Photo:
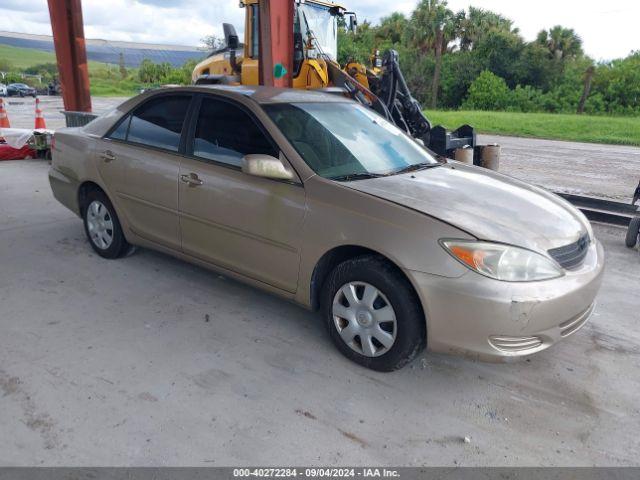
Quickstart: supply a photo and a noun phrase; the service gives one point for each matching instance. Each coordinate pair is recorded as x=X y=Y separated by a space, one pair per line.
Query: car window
x=120 y=133
x=226 y=133
x=159 y=121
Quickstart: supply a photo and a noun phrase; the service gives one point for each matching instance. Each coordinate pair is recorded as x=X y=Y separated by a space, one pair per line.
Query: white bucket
x=464 y=155
x=491 y=157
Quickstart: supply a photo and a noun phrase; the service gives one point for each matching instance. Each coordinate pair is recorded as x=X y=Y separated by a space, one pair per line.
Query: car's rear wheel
x=373 y=314
x=632 y=232
x=102 y=226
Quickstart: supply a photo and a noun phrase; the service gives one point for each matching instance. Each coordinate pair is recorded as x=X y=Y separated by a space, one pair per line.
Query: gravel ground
x=151 y=361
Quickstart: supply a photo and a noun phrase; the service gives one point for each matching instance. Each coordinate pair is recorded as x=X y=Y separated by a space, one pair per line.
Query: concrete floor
x=151 y=361
x=607 y=171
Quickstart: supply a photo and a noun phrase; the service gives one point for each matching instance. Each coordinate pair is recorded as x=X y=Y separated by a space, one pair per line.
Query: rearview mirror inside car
x=266 y=166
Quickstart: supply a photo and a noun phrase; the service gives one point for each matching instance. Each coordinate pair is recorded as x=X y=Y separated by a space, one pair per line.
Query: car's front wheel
x=102 y=226
x=373 y=314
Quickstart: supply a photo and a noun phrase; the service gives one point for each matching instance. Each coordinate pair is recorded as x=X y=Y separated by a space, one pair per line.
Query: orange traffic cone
x=4 y=120
x=39 y=118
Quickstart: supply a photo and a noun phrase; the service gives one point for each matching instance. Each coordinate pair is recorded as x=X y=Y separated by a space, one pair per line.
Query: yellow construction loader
x=314 y=65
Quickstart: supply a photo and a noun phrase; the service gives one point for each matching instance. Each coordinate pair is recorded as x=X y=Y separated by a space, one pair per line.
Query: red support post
x=68 y=39
x=276 y=41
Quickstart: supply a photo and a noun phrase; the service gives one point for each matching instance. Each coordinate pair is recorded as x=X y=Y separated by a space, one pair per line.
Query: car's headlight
x=503 y=262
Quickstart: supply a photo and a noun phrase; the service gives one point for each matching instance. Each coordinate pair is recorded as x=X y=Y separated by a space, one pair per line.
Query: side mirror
x=353 y=23
x=230 y=36
x=266 y=166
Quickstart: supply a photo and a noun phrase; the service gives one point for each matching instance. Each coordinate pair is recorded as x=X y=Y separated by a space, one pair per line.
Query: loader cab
x=315 y=37
x=315 y=41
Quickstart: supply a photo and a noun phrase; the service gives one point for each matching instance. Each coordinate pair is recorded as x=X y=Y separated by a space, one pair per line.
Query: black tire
x=21 y=94
x=411 y=336
x=632 y=232
x=119 y=245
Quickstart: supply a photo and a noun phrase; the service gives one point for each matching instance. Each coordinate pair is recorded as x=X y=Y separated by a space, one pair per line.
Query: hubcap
x=364 y=318
x=99 y=225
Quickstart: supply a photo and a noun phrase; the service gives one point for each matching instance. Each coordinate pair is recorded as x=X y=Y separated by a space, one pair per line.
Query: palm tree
x=392 y=27
x=477 y=23
x=431 y=28
x=588 y=78
x=562 y=42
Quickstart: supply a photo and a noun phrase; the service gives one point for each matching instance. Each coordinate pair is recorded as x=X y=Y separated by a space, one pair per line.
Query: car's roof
x=259 y=94
x=264 y=95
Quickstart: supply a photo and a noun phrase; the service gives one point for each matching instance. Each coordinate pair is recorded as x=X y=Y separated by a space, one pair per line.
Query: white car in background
x=3 y=90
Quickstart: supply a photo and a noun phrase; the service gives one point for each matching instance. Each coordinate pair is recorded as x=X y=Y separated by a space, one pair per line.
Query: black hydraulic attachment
x=406 y=112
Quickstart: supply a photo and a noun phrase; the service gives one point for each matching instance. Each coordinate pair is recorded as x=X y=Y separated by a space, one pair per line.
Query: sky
x=608 y=29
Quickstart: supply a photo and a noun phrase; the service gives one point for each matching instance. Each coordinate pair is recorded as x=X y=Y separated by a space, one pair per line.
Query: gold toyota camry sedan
x=319 y=200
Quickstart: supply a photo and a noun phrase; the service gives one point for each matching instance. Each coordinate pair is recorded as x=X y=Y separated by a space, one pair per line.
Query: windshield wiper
x=416 y=166
x=356 y=176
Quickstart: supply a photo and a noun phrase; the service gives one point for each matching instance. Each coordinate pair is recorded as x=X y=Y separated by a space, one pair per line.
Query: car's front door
x=244 y=223
x=140 y=163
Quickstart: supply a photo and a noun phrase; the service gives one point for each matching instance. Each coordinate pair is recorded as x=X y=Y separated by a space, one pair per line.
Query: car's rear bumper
x=65 y=189
x=491 y=320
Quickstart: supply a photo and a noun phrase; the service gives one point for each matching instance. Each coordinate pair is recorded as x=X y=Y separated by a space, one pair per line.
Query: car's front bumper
x=490 y=320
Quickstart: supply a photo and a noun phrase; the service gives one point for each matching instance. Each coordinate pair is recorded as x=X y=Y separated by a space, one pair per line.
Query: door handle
x=192 y=179
x=107 y=156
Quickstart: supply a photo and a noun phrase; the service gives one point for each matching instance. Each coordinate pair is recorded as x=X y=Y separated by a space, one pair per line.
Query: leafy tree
x=618 y=84
x=13 y=77
x=459 y=70
x=153 y=73
x=357 y=46
x=499 y=52
x=121 y=66
x=212 y=42
x=487 y=92
x=391 y=29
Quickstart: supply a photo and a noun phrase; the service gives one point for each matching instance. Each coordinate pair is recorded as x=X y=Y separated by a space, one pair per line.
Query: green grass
x=21 y=58
x=579 y=128
x=105 y=78
x=107 y=88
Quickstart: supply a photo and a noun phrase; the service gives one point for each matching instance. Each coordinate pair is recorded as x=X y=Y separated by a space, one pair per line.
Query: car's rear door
x=244 y=223
x=139 y=161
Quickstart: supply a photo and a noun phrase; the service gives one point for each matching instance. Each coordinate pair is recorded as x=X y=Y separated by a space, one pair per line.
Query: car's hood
x=488 y=205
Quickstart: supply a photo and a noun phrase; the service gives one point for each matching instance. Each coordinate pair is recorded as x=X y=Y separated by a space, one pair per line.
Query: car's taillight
x=53 y=142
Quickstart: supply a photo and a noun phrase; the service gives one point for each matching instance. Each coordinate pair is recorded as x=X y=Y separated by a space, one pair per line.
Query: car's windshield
x=339 y=140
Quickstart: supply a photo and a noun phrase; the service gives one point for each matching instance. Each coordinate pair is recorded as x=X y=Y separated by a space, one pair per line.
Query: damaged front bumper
x=492 y=320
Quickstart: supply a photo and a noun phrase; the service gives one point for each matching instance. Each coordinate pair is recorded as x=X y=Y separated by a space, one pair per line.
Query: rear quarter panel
x=72 y=163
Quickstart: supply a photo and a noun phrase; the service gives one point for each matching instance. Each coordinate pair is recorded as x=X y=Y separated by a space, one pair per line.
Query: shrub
x=526 y=99
x=487 y=92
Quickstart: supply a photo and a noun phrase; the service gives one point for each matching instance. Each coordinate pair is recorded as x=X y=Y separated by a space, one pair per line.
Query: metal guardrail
x=77 y=119
x=605 y=211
